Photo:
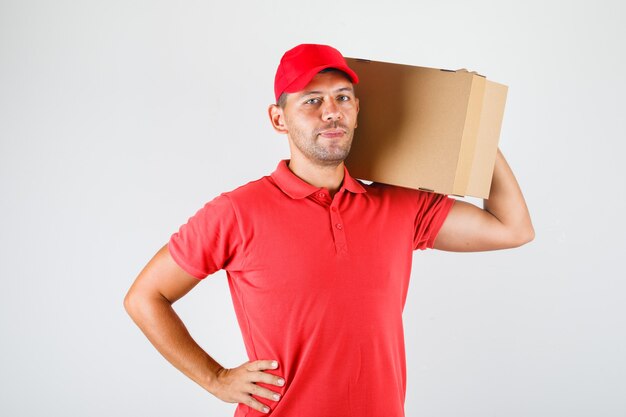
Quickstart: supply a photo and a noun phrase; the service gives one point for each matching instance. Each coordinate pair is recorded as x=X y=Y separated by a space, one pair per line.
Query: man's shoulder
x=251 y=189
x=397 y=194
x=389 y=189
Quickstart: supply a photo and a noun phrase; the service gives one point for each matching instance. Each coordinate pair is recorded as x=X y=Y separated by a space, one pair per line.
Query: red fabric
x=300 y=64
x=318 y=284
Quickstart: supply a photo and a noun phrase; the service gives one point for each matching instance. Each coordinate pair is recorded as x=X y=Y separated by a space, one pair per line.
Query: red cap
x=300 y=64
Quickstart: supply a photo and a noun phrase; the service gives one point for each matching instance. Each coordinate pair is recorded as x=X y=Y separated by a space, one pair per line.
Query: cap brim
x=303 y=80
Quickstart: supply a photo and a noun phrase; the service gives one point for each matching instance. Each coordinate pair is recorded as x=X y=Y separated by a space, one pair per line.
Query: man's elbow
x=523 y=236
x=132 y=304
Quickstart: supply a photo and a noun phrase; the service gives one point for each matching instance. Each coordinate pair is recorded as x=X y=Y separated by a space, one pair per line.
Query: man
x=318 y=263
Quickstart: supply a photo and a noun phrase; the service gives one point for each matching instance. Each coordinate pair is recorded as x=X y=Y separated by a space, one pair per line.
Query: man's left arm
x=503 y=223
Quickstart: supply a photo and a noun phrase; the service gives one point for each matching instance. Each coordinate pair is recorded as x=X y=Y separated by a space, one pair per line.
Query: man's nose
x=330 y=110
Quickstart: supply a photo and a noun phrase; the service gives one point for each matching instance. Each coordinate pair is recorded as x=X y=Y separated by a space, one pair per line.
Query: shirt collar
x=297 y=188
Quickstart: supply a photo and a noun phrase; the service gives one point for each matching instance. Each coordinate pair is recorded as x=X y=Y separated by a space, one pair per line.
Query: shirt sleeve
x=432 y=210
x=209 y=241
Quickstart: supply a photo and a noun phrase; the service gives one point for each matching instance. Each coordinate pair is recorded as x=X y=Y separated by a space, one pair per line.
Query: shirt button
x=333 y=208
x=339 y=226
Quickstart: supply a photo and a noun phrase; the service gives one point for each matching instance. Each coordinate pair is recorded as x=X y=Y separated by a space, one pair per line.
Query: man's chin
x=333 y=159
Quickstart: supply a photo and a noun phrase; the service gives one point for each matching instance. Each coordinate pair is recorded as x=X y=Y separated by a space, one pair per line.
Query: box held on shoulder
x=426 y=128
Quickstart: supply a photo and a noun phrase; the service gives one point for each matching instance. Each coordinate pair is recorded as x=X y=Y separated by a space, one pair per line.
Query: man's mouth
x=332 y=133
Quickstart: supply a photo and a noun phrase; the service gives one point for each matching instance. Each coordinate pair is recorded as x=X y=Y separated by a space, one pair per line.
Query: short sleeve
x=432 y=210
x=209 y=241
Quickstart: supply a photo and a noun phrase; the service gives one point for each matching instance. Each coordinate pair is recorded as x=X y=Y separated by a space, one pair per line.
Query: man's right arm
x=149 y=303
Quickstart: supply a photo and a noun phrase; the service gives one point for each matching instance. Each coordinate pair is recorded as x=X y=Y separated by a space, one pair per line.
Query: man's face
x=320 y=120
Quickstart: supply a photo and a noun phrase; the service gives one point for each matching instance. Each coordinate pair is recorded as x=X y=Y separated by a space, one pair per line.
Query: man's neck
x=323 y=176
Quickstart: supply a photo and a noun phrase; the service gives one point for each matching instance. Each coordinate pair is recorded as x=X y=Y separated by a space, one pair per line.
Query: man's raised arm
x=503 y=223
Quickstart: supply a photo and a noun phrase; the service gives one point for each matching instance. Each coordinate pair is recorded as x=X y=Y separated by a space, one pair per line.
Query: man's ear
x=277 y=117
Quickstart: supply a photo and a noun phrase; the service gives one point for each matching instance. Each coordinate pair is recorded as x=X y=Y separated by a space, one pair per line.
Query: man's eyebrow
x=308 y=93
x=349 y=89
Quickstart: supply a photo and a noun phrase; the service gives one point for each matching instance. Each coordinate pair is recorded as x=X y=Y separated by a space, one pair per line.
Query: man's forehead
x=334 y=81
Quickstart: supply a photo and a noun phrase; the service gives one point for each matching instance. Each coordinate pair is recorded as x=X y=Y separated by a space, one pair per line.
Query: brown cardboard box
x=426 y=128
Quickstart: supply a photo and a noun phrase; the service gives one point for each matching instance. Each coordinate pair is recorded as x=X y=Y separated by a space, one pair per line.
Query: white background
x=119 y=119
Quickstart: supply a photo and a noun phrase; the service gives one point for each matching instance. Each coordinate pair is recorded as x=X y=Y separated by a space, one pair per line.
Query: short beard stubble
x=331 y=154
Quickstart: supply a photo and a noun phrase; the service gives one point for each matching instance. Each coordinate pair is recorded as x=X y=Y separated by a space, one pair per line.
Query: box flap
x=470 y=133
x=488 y=137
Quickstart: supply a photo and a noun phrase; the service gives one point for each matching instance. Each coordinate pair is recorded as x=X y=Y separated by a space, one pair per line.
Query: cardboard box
x=426 y=128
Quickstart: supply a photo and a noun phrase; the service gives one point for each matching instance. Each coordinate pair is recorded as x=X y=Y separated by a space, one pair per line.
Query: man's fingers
x=262 y=365
x=252 y=403
x=267 y=378
x=263 y=392
x=257 y=367
x=239 y=384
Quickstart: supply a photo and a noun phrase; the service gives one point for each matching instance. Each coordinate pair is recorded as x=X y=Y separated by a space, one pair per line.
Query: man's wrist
x=211 y=378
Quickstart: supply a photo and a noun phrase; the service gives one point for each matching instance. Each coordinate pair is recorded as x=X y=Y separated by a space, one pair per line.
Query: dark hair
x=282 y=100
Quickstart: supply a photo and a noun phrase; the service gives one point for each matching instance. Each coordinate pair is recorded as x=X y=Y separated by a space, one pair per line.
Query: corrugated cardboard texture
x=422 y=128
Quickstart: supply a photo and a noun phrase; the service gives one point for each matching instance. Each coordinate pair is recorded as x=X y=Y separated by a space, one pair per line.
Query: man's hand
x=149 y=303
x=237 y=385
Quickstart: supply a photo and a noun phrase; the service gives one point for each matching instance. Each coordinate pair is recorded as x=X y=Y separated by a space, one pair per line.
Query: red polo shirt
x=318 y=284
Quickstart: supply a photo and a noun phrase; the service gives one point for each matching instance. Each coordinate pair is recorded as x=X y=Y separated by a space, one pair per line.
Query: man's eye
x=344 y=98
x=312 y=101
